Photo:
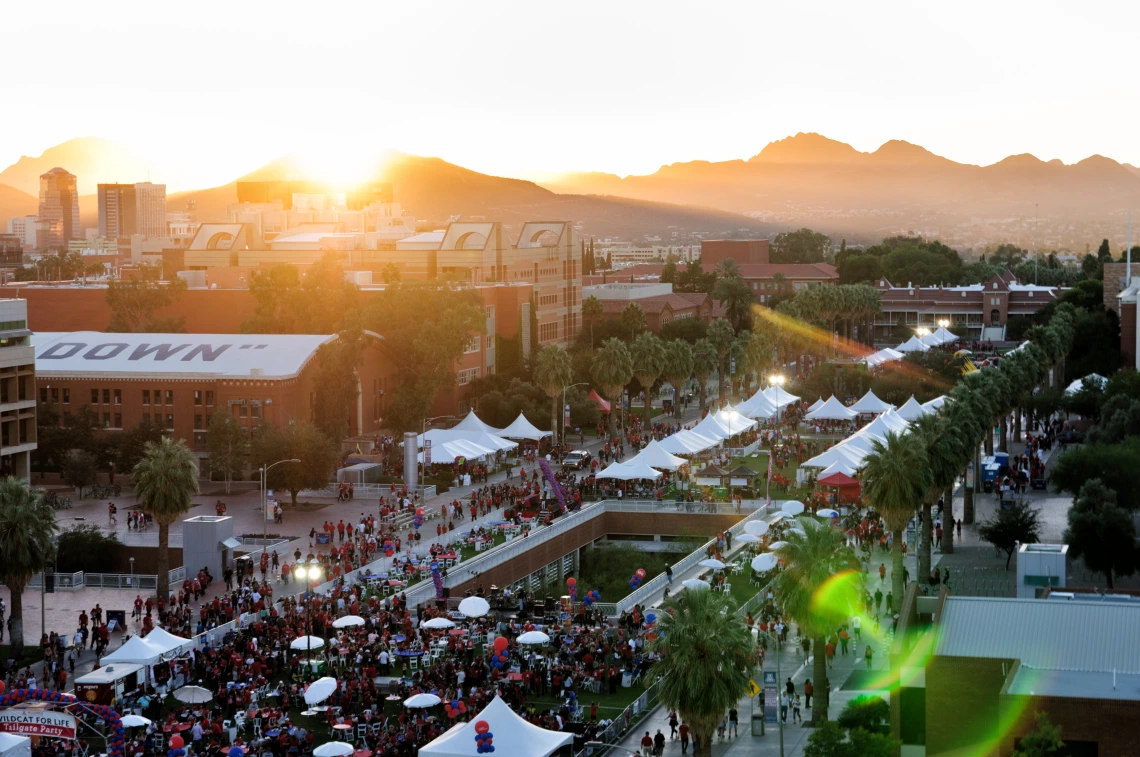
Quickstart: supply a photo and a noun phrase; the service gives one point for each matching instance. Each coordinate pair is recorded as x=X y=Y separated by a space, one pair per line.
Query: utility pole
x=1036 y=250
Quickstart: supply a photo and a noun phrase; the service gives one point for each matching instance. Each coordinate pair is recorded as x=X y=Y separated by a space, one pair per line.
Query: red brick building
x=743 y=251
x=661 y=305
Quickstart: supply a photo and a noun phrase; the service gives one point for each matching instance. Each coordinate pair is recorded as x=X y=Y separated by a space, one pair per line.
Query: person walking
x=808 y=691
x=796 y=717
x=867 y=655
x=647 y=745
x=683 y=731
x=658 y=743
x=733 y=723
x=673 y=723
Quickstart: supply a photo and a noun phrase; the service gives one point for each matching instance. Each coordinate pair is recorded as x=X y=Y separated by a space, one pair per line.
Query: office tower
x=59 y=209
x=128 y=209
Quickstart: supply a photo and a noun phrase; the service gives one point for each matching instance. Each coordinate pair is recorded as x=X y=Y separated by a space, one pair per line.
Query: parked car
x=576 y=459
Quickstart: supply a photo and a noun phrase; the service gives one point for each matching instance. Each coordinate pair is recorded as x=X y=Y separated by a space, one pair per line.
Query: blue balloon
x=237 y=752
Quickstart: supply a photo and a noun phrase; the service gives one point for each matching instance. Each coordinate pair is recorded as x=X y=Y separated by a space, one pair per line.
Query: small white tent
x=167 y=642
x=630 y=471
x=869 y=403
x=512 y=736
x=521 y=428
x=14 y=745
x=832 y=410
x=779 y=397
x=841 y=452
x=734 y=421
x=136 y=650
x=914 y=344
x=816 y=405
x=941 y=336
x=686 y=442
x=657 y=457
x=757 y=406
x=472 y=423
x=1093 y=381
x=439 y=436
x=886 y=355
x=912 y=409
x=935 y=403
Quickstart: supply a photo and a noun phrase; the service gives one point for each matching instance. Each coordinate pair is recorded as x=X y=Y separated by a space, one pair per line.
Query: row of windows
x=467 y=375
x=547 y=332
x=13 y=325
x=548 y=299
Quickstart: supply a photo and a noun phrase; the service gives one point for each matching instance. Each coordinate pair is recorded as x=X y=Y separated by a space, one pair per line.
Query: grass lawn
x=468 y=551
x=760 y=465
x=611 y=704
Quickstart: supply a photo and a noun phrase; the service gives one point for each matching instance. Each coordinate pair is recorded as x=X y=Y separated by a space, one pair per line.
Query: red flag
x=771 y=454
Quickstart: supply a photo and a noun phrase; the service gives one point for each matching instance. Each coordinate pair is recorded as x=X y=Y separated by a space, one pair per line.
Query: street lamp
x=264 y=504
x=309 y=574
x=583 y=383
x=777 y=381
x=944 y=323
x=922 y=331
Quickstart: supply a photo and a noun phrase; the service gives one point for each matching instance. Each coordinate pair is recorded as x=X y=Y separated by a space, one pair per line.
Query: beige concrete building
x=17 y=390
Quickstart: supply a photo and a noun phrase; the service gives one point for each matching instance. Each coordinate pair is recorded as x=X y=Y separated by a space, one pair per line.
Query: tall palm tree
x=727 y=269
x=895 y=478
x=721 y=336
x=592 y=310
x=164 y=480
x=707 y=658
x=678 y=368
x=552 y=371
x=612 y=369
x=633 y=318
x=27 y=547
x=735 y=295
x=648 y=355
x=704 y=362
x=811 y=559
x=946 y=455
x=755 y=356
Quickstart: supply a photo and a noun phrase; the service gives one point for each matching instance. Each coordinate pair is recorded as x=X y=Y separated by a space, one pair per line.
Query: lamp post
x=264 y=505
x=309 y=574
x=777 y=381
x=566 y=389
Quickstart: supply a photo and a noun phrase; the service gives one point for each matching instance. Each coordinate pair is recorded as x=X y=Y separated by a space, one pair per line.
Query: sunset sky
x=210 y=90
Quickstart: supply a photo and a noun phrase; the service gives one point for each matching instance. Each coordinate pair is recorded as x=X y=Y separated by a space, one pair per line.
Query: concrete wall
x=962 y=698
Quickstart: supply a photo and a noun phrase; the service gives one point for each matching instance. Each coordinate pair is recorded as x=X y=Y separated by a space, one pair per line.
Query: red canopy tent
x=849 y=488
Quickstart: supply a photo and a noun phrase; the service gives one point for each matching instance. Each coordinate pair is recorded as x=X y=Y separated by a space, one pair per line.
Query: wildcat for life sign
x=58 y=725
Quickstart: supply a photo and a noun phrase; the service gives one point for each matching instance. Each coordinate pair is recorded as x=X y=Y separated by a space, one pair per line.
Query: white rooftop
x=85 y=353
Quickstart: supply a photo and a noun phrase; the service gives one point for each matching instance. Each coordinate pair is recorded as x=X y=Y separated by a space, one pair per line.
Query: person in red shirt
x=684 y=731
x=830 y=652
x=647 y=745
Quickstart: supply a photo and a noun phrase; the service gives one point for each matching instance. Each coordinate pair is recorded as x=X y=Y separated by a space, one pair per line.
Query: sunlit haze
x=209 y=91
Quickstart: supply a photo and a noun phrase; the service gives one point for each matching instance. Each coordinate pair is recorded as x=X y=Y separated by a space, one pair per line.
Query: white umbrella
x=793 y=508
x=320 y=690
x=422 y=700
x=134 y=721
x=696 y=584
x=533 y=637
x=763 y=563
x=334 y=749
x=777 y=544
x=827 y=512
x=778 y=516
x=347 y=621
x=474 y=607
x=193 y=695
x=711 y=563
x=307 y=642
x=438 y=623
x=756 y=527
x=749 y=539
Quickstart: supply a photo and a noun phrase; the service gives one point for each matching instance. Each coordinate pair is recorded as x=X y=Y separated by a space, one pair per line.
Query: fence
x=363 y=491
x=83 y=579
x=149 y=538
x=628 y=718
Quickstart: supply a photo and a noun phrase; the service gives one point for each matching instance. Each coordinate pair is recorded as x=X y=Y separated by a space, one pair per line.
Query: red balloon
x=571 y=581
x=2 y=687
x=640 y=573
x=176 y=742
x=482 y=726
x=419 y=511
x=501 y=644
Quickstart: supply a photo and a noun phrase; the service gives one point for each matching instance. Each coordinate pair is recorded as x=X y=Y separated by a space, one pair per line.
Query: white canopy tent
x=513 y=736
x=136 y=650
x=1094 y=380
x=630 y=472
x=656 y=457
x=912 y=409
x=686 y=442
x=839 y=466
x=837 y=453
x=757 y=406
x=472 y=423
x=914 y=344
x=440 y=436
x=14 y=745
x=521 y=428
x=734 y=421
x=449 y=452
x=832 y=410
x=942 y=336
x=935 y=403
x=869 y=403
x=894 y=421
x=886 y=355
x=167 y=642
x=779 y=397
x=816 y=405
x=711 y=428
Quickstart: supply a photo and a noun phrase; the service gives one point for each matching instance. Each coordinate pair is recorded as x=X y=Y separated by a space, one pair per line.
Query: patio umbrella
x=474 y=607
x=334 y=749
x=320 y=690
x=307 y=642
x=827 y=512
x=438 y=623
x=696 y=584
x=763 y=563
x=777 y=544
x=134 y=721
x=193 y=695
x=420 y=701
x=533 y=637
x=711 y=563
x=793 y=508
x=749 y=539
x=347 y=621
x=756 y=527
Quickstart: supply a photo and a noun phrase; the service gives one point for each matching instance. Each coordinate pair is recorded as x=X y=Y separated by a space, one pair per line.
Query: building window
x=146 y=396
x=209 y=398
x=995 y=317
x=198 y=423
x=106 y=420
x=467 y=375
x=197 y=397
x=118 y=420
x=94 y=396
x=43 y=395
x=146 y=417
x=118 y=396
x=106 y=396
x=255 y=409
x=472 y=345
x=169 y=396
x=66 y=396
x=547 y=332
x=169 y=422
x=242 y=410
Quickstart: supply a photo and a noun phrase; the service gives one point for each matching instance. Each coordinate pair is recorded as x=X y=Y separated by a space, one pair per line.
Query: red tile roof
x=653 y=304
x=790 y=270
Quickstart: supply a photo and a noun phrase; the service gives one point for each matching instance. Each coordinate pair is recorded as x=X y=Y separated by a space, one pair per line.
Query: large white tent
x=438 y=436
x=869 y=403
x=886 y=355
x=816 y=405
x=779 y=397
x=840 y=452
x=941 y=336
x=656 y=457
x=521 y=428
x=1093 y=380
x=935 y=403
x=686 y=442
x=914 y=344
x=512 y=736
x=912 y=409
x=894 y=421
x=14 y=745
x=449 y=452
x=734 y=421
x=832 y=410
x=631 y=471
x=757 y=406
x=136 y=650
x=472 y=423
x=711 y=428
x=167 y=642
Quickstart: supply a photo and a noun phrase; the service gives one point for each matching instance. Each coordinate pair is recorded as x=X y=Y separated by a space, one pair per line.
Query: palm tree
x=164 y=480
x=721 y=336
x=27 y=547
x=735 y=295
x=592 y=310
x=678 y=368
x=895 y=478
x=946 y=455
x=648 y=355
x=633 y=318
x=553 y=373
x=707 y=658
x=612 y=369
x=811 y=559
x=727 y=269
x=704 y=361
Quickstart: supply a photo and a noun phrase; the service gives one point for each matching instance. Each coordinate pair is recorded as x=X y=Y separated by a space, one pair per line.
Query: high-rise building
x=25 y=228
x=129 y=209
x=59 y=210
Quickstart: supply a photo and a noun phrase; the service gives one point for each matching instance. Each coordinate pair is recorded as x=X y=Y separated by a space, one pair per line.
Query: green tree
x=668 y=272
x=391 y=274
x=164 y=481
x=1101 y=532
x=678 y=368
x=895 y=479
x=27 y=547
x=1008 y=527
x=1104 y=252
x=812 y=557
x=337 y=382
x=1090 y=266
x=592 y=310
x=297 y=441
x=132 y=444
x=802 y=246
x=721 y=336
x=694 y=279
x=80 y=469
x=279 y=301
x=1117 y=465
x=735 y=295
x=612 y=370
x=1044 y=740
x=552 y=372
x=135 y=302
x=225 y=444
x=704 y=363
x=707 y=657
x=867 y=711
x=286 y=303
x=689 y=329
x=633 y=319
x=86 y=547
x=648 y=356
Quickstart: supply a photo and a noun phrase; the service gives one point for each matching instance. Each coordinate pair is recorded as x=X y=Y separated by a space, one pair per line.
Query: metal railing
x=83 y=579
x=629 y=717
x=149 y=538
x=361 y=491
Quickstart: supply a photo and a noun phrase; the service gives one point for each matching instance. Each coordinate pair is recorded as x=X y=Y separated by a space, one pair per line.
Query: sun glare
x=341 y=164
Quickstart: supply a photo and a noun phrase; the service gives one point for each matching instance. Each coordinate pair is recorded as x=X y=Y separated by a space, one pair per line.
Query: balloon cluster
x=557 y=487
x=483 y=737
x=436 y=579
x=572 y=584
x=236 y=752
x=418 y=520
x=638 y=577
x=177 y=747
x=499 y=656
x=650 y=620
x=592 y=597
x=389 y=548
x=455 y=708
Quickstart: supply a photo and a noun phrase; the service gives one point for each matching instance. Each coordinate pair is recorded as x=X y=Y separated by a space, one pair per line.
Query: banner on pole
x=57 y=725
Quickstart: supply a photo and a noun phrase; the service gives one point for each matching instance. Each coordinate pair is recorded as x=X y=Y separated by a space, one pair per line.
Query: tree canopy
x=134 y=304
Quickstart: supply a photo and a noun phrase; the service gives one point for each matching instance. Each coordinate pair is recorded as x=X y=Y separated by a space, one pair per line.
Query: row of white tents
x=472 y=439
x=914 y=344
x=847 y=455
